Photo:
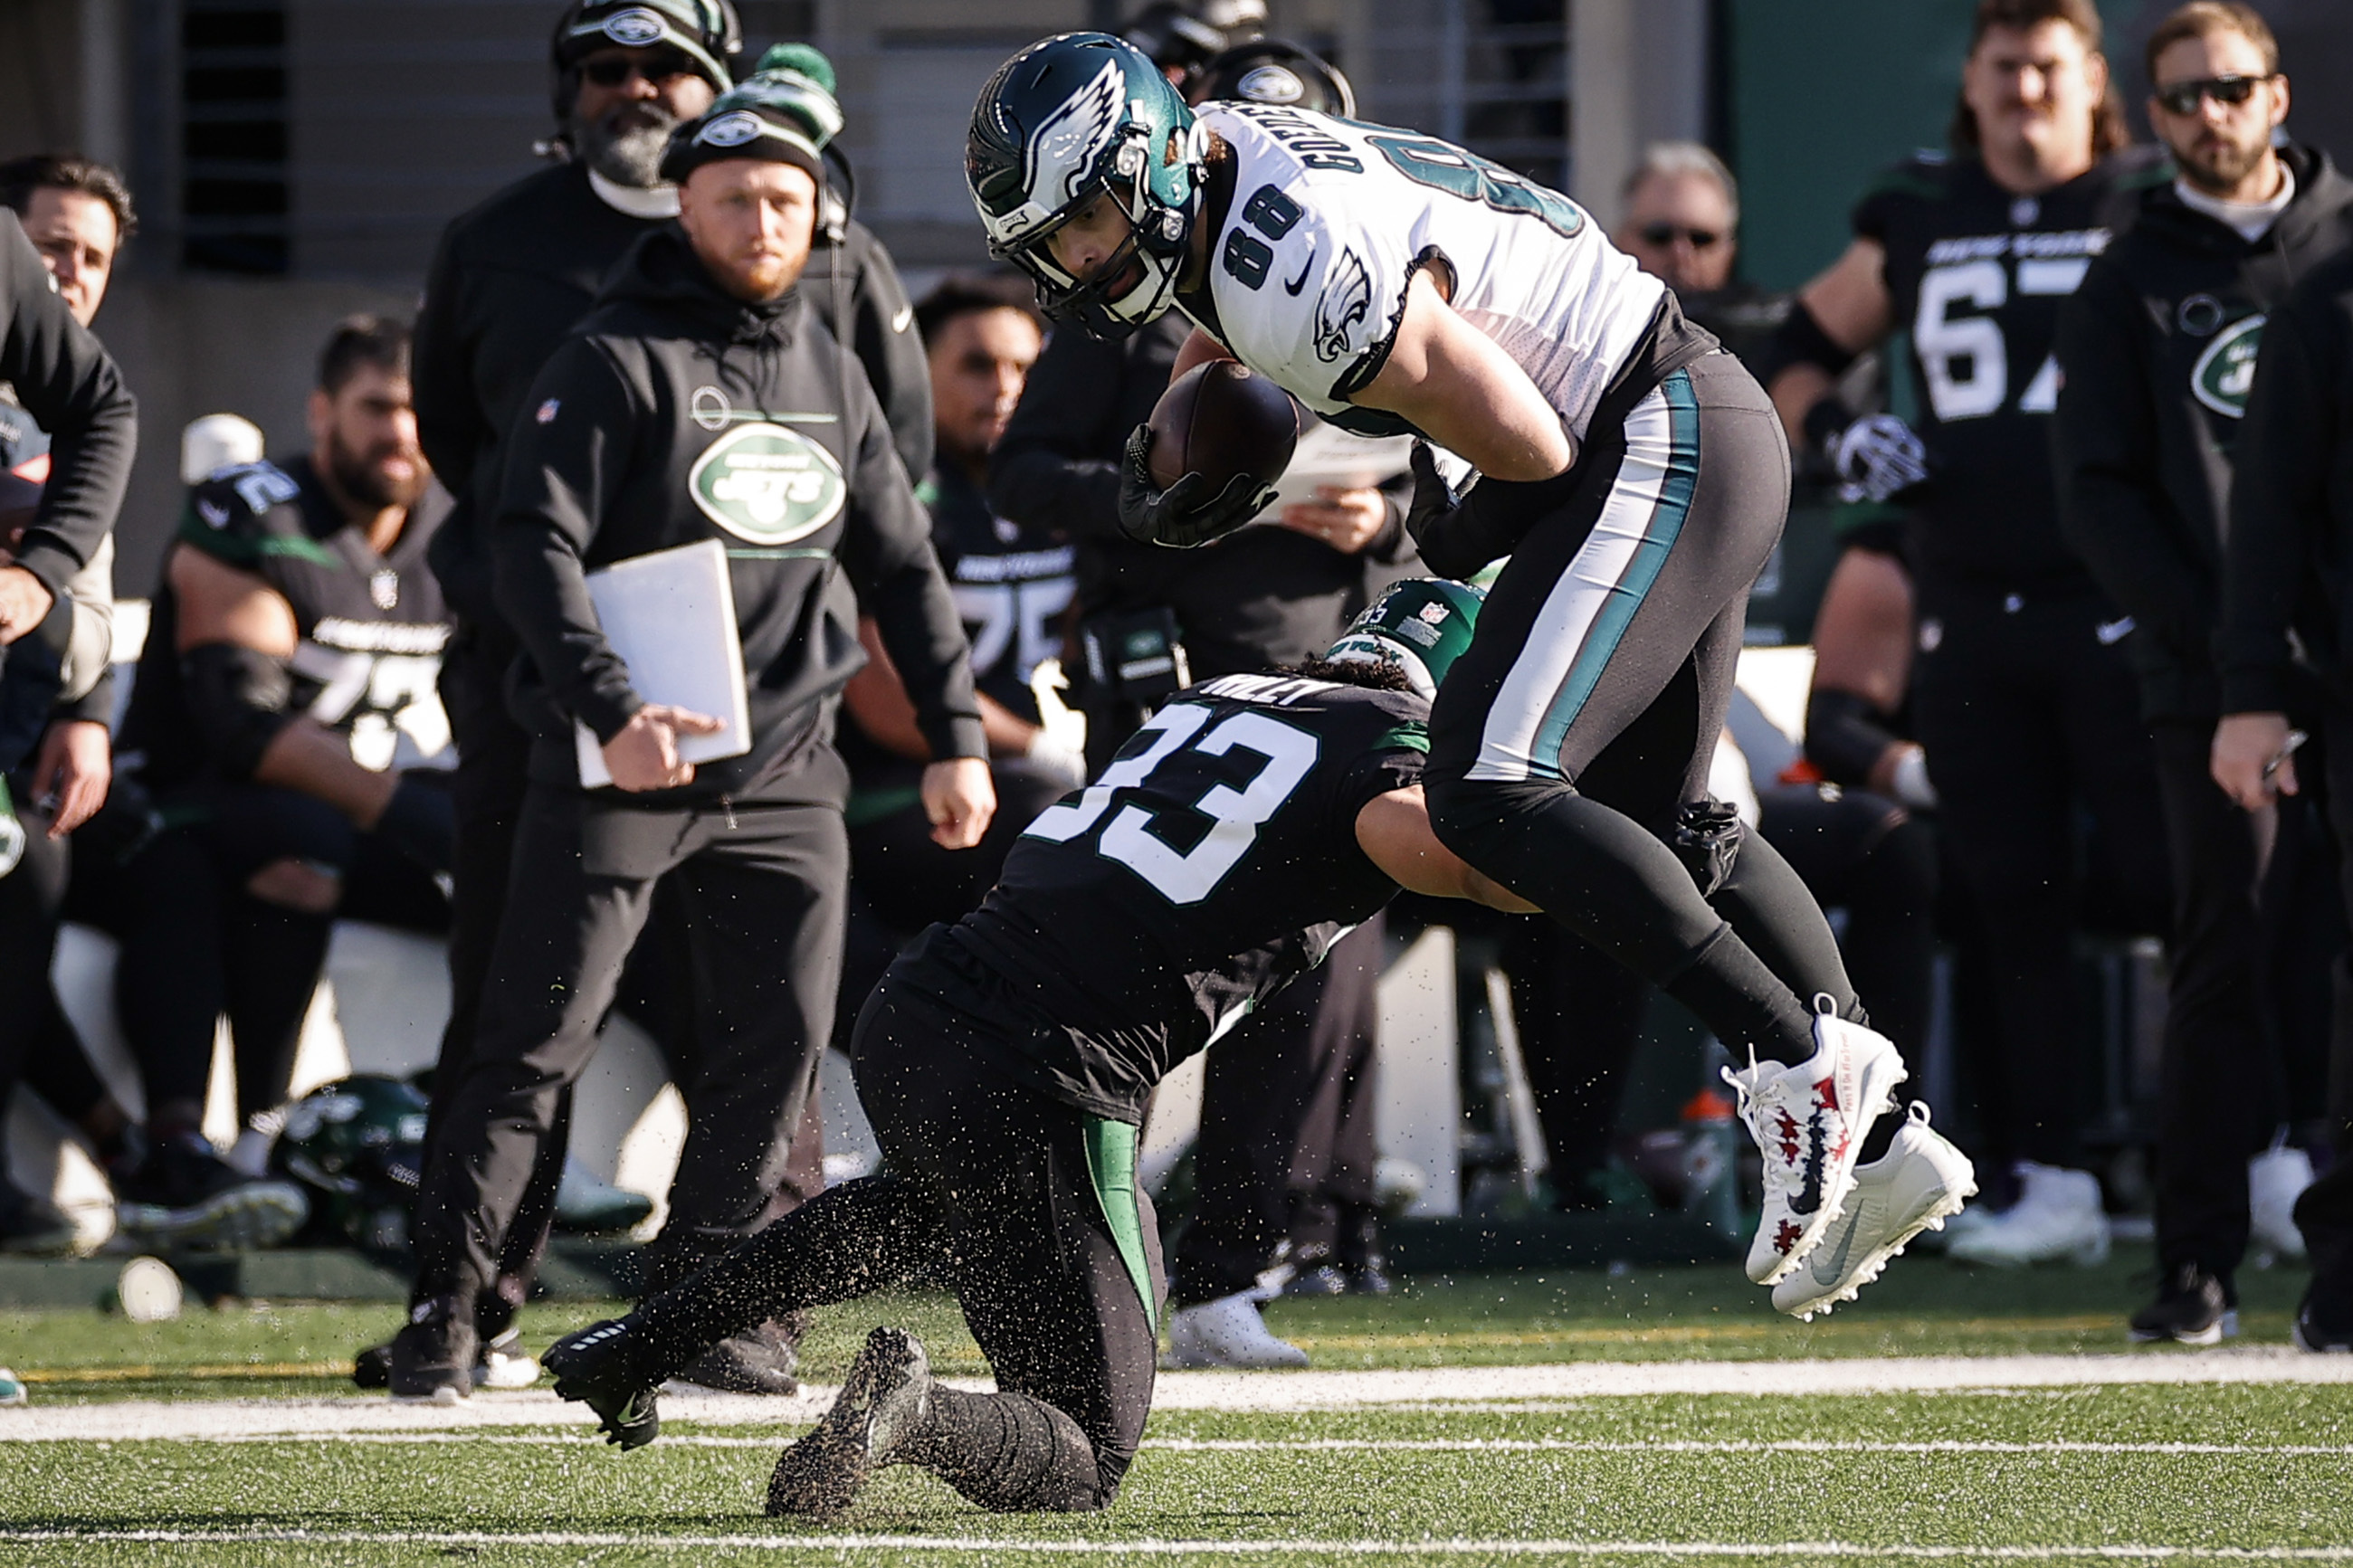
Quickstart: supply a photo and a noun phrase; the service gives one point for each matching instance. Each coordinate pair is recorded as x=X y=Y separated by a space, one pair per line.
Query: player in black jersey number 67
x=1005 y=1062
x=1634 y=474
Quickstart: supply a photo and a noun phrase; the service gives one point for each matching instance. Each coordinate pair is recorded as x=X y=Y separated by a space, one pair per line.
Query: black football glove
x=1877 y=458
x=1185 y=514
x=1459 y=533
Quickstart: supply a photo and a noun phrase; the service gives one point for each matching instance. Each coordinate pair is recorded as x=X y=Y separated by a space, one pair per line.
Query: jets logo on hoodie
x=768 y=485
x=2227 y=369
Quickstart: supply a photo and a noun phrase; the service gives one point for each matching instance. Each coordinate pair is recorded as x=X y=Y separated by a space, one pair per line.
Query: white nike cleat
x=2057 y=1217
x=1809 y=1122
x=1917 y=1185
x=505 y=1363
x=1228 y=1331
x=2275 y=1179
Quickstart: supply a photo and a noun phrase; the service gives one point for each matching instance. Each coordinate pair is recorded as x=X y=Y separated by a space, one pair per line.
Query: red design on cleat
x=1787 y=1235
x=1826 y=1093
x=1790 y=1135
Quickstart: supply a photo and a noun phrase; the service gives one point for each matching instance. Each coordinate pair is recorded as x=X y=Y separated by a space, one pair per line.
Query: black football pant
x=38 y=1047
x=2046 y=786
x=762 y=891
x=197 y=946
x=1570 y=744
x=1027 y=1207
x=1286 y=1144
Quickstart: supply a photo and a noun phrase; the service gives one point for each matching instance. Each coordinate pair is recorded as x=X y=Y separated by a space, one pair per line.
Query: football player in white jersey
x=1636 y=477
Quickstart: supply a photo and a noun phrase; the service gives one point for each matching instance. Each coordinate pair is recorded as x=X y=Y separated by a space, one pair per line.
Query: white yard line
x=1259 y=1393
x=1395 y=1445
x=1488 y=1547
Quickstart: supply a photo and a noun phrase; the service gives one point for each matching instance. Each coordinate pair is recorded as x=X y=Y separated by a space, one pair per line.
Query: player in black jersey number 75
x=1005 y=1060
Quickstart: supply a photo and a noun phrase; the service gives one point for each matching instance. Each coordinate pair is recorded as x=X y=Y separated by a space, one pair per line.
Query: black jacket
x=2289 y=566
x=678 y=414
x=515 y=275
x=1260 y=595
x=70 y=386
x=2157 y=348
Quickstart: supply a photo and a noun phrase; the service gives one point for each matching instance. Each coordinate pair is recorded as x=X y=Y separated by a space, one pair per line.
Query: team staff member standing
x=512 y=278
x=2024 y=700
x=2157 y=350
x=667 y=419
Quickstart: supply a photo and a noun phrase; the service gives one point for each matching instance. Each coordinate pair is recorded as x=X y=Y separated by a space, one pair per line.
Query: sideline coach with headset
x=702 y=379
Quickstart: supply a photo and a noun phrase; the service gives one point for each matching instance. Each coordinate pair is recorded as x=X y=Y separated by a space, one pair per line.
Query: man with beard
x=286 y=729
x=511 y=279
x=2157 y=350
x=703 y=405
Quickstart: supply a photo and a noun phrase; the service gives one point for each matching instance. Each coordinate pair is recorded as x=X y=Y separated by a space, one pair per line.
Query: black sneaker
x=184 y=1198
x=433 y=1358
x=2193 y=1308
x=32 y=1227
x=884 y=1411
x=763 y=1360
x=1315 y=1272
x=1364 y=1262
x=2317 y=1336
x=599 y=1367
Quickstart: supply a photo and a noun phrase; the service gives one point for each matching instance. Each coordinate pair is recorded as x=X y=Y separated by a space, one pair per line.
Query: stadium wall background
x=294 y=159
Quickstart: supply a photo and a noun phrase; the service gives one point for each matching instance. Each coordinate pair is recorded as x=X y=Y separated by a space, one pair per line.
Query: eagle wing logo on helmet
x=1346 y=300
x=1064 y=150
x=633 y=28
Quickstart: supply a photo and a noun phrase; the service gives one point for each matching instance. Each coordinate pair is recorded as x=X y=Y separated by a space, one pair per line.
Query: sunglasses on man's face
x=612 y=70
x=2183 y=97
x=1665 y=233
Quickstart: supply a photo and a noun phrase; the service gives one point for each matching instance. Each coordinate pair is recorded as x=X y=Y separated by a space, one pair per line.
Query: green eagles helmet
x=356 y=1148
x=1422 y=625
x=1061 y=122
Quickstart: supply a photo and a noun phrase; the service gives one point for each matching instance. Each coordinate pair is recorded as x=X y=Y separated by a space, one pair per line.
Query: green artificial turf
x=1622 y=1485
x=1684 y=1477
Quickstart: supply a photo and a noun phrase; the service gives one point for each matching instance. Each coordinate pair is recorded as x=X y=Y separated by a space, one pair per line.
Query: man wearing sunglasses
x=2157 y=350
x=511 y=279
x=2022 y=691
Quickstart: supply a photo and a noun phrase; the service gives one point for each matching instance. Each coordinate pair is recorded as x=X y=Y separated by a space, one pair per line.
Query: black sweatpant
x=1286 y=1140
x=1866 y=855
x=487 y=791
x=1028 y=1208
x=2219 y=1055
x=762 y=891
x=1570 y=744
x=2046 y=786
x=2325 y=1213
x=39 y=1046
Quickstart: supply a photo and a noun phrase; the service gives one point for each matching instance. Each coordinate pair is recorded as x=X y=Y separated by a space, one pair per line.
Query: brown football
x=1220 y=420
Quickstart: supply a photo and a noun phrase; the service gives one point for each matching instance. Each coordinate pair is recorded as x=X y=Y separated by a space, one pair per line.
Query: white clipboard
x=672 y=618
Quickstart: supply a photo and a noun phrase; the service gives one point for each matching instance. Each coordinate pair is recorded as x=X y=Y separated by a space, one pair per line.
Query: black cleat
x=884 y=1411
x=760 y=1360
x=432 y=1360
x=2316 y=1336
x=2191 y=1309
x=599 y=1367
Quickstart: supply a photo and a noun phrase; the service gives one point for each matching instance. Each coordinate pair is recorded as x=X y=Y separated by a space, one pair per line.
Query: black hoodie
x=676 y=413
x=2157 y=350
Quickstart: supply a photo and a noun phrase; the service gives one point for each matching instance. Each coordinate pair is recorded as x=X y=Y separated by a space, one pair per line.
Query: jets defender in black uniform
x=1005 y=1062
x=2024 y=695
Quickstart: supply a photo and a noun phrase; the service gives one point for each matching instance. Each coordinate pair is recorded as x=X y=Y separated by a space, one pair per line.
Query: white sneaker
x=1914 y=1186
x=505 y=1363
x=2057 y=1215
x=1228 y=1331
x=2275 y=1179
x=1809 y=1122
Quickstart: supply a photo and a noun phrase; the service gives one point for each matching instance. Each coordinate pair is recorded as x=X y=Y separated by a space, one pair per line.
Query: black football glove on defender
x=1184 y=515
x=1459 y=532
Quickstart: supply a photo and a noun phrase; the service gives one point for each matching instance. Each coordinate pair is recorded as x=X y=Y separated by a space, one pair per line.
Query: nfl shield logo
x=385 y=589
